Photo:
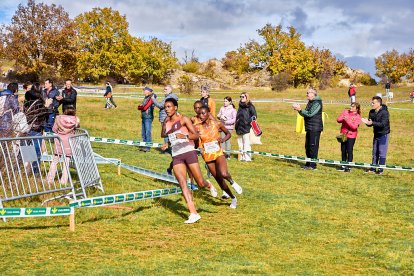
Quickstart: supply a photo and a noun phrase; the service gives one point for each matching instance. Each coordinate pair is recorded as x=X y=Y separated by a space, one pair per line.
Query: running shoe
x=233 y=204
x=192 y=218
x=193 y=187
x=225 y=195
x=213 y=190
x=237 y=188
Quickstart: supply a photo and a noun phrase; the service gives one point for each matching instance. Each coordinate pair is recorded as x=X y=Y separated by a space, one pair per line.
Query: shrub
x=281 y=81
x=186 y=84
x=191 y=67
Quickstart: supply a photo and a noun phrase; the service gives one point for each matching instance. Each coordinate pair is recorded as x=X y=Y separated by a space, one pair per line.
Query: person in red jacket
x=350 y=119
x=352 y=92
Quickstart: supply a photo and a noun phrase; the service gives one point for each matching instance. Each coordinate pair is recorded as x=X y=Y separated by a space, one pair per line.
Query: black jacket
x=380 y=121
x=244 y=118
x=69 y=98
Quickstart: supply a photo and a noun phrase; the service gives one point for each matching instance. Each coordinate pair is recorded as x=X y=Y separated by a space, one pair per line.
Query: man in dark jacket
x=147 y=116
x=379 y=118
x=68 y=97
x=50 y=92
x=313 y=125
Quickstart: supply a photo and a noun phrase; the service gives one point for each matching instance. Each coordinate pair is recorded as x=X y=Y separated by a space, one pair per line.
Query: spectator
x=412 y=96
x=379 y=118
x=64 y=127
x=207 y=101
x=352 y=92
x=147 y=116
x=350 y=120
x=227 y=116
x=9 y=106
x=387 y=89
x=29 y=97
x=109 y=96
x=168 y=92
x=244 y=116
x=313 y=125
x=68 y=97
x=50 y=92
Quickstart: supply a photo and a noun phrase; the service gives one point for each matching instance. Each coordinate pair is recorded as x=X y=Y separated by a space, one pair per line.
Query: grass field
x=288 y=221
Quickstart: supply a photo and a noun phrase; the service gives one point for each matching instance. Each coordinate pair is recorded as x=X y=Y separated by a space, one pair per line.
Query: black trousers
x=347 y=149
x=312 y=146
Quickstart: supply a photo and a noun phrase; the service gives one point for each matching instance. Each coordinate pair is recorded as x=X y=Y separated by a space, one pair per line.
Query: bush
x=186 y=84
x=191 y=67
x=281 y=81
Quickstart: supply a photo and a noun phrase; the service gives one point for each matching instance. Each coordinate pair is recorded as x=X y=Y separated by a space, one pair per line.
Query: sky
x=356 y=31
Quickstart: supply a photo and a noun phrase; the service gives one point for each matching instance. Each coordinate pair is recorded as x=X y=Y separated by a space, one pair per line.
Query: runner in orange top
x=181 y=133
x=210 y=144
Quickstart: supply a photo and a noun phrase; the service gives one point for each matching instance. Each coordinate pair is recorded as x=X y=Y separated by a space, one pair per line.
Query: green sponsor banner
x=129 y=197
x=157 y=193
x=123 y=141
x=98 y=201
x=173 y=190
x=109 y=200
x=9 y=211
x=139 y=195
x=165 y=191
x=35 y=211
x=148 y=194
x=85 y=203
x=60 y=210
x=135 y=143
x=98 y=139
x=119 y=198
x=109 y=140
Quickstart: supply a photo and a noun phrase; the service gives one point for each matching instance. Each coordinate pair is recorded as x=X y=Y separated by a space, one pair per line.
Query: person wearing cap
x=207 y=101
x=147 y=116
x=312 y=115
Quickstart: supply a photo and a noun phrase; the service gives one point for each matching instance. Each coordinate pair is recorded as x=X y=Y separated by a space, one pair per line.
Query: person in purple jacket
x=227 y=115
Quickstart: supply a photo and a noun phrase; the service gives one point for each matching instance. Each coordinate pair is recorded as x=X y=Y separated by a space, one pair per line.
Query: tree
x=409 y=65
x=390 y=65
x=103 y=40
x=236 y=61
x=40 y=39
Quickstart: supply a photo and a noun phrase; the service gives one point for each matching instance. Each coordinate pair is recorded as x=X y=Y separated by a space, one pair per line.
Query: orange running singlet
x=211 y=148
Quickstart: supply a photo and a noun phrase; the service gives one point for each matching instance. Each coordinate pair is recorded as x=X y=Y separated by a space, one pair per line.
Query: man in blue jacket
x=50 y=92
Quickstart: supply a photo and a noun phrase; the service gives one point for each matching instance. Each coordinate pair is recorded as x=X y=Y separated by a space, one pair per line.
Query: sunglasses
x=242 y=97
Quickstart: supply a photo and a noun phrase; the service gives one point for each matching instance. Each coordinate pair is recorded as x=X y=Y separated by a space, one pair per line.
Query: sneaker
x=192 y=218
x=225 y=195
x=169 y=171
x=380 y=171
x=341 y=168
x=347 y=170
x=213 y=190
x=309 y=168
x=193 y=187
x=233 y=204
x=371 y=170
x=237 y=188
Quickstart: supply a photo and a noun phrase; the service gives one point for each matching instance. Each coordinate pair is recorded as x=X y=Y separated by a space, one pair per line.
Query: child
x=64 y=127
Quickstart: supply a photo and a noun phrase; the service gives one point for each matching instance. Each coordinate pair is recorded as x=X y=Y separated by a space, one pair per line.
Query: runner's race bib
x=211 y=147
x=174 y=140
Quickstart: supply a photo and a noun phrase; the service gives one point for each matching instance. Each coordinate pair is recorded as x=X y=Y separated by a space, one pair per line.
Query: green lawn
x=288 y=221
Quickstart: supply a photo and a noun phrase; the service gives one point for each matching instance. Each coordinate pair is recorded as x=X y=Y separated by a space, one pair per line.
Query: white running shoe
x=213 y=190
x=192 y=218
x=225 y=195
x=233 y=204
x=237 y=188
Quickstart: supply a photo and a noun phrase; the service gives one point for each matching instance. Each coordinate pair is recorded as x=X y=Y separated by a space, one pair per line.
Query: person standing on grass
x=50 y=92
x=313 y=125
x=181 y=134
x=379 y=119
x=350 y=119
x=64 y=127
x=168 y=92
x=387 y=89
x=207 y=101
x=352 y=92
x=68 y=97
x=227 y=115
x=212 y=152
x=147 y=116
x=244 y=118
x=109 y=96
x=9 y=106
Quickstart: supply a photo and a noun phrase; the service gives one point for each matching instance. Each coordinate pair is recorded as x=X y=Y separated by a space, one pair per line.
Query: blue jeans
x=146 y=130
x=37 y=145
x=50 y=122
x=379 y=149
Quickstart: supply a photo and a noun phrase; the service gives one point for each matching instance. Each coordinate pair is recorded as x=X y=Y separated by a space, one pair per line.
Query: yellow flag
x=300 y=124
